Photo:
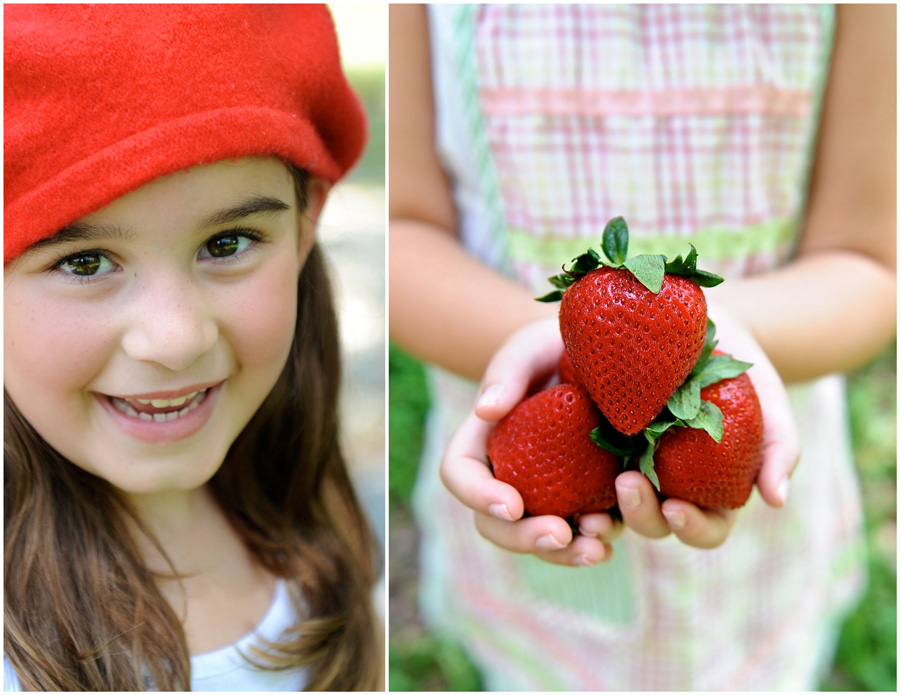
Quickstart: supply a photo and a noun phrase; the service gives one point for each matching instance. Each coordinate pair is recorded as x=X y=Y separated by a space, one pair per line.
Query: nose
x=171 y=324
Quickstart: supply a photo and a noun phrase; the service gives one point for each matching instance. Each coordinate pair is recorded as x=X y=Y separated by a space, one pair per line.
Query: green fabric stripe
x=577 y=590
x=711 y=244
x=515 y=652
x=467 y=65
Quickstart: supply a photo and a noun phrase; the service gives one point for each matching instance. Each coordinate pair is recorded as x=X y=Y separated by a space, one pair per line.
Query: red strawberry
x=544 y=450
x=632 y=348
x=692 y=467
x=566 y=370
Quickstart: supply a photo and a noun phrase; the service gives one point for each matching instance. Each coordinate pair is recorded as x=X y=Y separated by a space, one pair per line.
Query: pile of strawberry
x=642 y=386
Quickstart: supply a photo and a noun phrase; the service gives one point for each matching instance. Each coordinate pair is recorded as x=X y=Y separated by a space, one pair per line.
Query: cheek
x=261 y=318
x=54 y=347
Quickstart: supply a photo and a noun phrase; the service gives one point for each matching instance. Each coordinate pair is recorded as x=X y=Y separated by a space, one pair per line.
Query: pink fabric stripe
x=567 y=102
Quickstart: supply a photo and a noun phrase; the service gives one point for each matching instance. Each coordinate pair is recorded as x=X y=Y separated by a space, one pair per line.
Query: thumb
x=528 y=355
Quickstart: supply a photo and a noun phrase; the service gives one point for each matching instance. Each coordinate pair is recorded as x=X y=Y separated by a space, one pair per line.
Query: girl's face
x=141 y=340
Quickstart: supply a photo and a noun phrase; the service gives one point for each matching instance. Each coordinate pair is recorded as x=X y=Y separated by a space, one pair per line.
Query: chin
x=169 y=475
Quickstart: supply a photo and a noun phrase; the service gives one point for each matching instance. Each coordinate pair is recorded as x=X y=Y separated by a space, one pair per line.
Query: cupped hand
x=781 y=437
x=709 y=528
x=526 y=363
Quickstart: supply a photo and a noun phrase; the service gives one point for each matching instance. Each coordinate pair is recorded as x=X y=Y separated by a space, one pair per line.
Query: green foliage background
x=866 y=659
x=369 y=84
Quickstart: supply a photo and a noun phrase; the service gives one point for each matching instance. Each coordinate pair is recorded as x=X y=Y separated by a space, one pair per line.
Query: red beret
x=101 y=99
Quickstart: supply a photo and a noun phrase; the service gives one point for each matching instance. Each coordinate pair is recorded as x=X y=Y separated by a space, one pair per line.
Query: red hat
x=101 y=99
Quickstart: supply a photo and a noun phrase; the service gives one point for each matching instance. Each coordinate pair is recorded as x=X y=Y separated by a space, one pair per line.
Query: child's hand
x=709 y=528
x=781 y=439
x=528 y=360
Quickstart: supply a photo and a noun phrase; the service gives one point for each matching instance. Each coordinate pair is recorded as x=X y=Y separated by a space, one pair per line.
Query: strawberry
x=544 y=450
x=567 y=370
x=630 y=347
x=633 y=327
x=691 y=466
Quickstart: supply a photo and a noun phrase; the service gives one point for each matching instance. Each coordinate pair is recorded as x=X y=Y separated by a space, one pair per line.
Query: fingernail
x=500 y=511
x=675 y=519
x=583 y=561
x=492 y=395
x=631 y=497
x=548 y=542
x=783 y=489
x=584 y=532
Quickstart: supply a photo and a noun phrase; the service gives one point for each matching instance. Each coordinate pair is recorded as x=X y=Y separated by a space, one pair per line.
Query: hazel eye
x=226 y=245
x=86 y=264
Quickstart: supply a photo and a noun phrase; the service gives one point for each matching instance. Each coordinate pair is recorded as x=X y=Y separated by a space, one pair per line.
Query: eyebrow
x=82 y=231
x=87 y=232
x=258 y=205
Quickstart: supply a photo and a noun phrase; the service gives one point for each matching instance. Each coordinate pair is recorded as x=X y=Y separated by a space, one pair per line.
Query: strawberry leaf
x=719 y=367
x=686 y=266
x=554 y=296
x=608 y=437
x=708 y=346
x=650 y=270
x=706 y=279
x=615 y=240
x=646 y=462
x=562 y=281
x=656 y=428
x=685 y=402
x=585 y=263
x=709 y=419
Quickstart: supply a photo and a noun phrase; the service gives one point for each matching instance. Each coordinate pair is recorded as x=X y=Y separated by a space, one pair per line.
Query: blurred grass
x=407 y=402
x=417 y=661
x=867 y=652
x=866 y=658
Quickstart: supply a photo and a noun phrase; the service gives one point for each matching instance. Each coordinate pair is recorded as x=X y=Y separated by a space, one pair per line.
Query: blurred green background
x=362 y=35
x=867 y=654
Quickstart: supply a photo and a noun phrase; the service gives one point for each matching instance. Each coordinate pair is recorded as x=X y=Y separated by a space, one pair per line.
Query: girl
x=765 y=135
x=178 y=513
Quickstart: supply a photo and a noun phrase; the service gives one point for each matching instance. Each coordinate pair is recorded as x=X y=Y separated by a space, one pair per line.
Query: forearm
x=829 y=311
x=446 y=306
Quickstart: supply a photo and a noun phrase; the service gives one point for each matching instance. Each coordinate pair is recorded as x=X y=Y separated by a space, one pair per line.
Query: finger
x=466 y=474
x=531 y=354
x=781 y=453
x=781 y=447
x=535 y=534
x=696 y=527
x=639 y=505
x=601 y=526
x=582 y=552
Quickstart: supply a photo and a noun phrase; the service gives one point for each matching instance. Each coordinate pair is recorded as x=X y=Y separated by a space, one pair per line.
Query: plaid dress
x=697 y=124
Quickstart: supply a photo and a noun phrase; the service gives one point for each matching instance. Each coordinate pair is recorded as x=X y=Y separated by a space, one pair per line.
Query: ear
x=316 y=193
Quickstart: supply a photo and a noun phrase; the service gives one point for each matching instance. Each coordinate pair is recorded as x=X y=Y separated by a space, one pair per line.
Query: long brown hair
x=82 y=611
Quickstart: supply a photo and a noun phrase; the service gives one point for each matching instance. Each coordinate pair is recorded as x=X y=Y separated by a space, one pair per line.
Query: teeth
x=166 y=402
x=192 y=399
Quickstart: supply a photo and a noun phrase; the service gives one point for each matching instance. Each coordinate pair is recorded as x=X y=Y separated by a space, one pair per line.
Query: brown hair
x=83 y=612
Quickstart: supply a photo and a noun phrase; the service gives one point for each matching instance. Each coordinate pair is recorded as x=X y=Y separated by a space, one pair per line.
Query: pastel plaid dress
x=697 y=124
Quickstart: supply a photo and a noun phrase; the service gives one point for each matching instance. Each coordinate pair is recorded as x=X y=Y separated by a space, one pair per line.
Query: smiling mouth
x=159 y=409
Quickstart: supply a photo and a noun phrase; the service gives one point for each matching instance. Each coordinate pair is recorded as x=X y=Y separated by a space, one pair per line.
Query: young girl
x=177 y=510
x=765 y=136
